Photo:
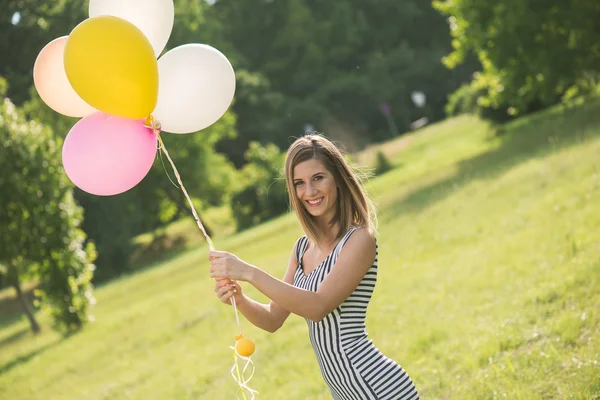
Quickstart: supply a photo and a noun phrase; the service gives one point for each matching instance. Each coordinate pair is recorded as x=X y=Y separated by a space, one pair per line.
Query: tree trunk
x=15 y=282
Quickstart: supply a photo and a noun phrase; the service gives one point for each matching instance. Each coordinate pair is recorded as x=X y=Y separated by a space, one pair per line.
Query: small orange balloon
x=244 y=347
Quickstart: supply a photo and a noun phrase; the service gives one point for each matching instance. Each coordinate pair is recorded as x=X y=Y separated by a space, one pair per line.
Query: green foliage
x=40 y=23
x=262 y=194
x=3 y=86
x=257 y=107
x=35 y=109
x=532 y=52
x=40 y=236
x=332 y=65
x=462 y=101
x=468 y=99
x=206 y=174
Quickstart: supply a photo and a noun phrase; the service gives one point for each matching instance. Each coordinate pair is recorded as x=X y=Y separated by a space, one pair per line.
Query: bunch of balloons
x=106 y=72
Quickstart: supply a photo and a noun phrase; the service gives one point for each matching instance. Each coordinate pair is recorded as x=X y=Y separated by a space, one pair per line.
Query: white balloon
x=153 y=17
x=195 y=87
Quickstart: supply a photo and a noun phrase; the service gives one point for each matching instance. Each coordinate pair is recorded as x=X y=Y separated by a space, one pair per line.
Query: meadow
x=488 y=287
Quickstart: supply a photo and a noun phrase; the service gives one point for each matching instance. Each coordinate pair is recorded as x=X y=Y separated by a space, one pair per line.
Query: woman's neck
x=328 y=233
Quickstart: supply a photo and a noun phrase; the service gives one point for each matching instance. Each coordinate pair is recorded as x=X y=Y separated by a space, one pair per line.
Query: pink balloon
x=106 y=155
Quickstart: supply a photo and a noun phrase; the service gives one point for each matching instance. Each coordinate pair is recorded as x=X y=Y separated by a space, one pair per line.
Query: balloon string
x=156 y=129
x=165 y=168
x=239 y=379
x=237 y=318
x=196 y=217
x=238 y=375
x=242 y=382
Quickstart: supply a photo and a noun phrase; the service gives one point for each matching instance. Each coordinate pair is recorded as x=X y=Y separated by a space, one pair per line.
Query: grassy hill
x=488 y=284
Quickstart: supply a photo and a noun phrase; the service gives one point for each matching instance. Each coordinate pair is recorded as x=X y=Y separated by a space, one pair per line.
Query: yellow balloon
x=111 y=65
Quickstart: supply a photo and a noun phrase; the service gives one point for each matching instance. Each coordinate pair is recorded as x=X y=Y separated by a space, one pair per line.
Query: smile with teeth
x=316 y=202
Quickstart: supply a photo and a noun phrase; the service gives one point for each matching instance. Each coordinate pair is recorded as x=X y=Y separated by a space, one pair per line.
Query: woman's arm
x=265 y=316
x=349 y=269
x=269 y=317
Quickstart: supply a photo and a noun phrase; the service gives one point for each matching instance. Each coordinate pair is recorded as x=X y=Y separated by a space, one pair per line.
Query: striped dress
x=353 y=368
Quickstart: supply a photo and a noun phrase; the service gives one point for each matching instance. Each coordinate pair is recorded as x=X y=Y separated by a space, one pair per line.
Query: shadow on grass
x=4 y=368
x=15 y=337
x=162 y=248
x=147 y=256
x=531 y=137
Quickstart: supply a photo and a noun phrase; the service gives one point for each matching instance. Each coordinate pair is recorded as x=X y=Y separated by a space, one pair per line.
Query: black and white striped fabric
x=353 y=368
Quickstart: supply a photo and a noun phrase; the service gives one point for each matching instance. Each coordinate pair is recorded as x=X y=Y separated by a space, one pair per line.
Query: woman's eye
x=298 y=183
x=317 y=178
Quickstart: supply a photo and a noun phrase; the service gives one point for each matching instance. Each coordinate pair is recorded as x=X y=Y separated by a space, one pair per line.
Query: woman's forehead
x=308 y=168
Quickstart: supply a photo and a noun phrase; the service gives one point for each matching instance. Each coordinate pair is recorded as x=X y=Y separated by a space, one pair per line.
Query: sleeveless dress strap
x=345 y=238
x=301 y=248
x=342 y=242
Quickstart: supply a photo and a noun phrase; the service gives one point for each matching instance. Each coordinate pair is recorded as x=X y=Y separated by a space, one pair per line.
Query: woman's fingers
x=225 y=289
x=216 y=254
x=218 y=272
x=219 y=283
x=225 y=292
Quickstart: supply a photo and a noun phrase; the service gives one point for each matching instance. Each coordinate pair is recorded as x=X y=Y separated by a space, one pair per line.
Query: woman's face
x=315 y=188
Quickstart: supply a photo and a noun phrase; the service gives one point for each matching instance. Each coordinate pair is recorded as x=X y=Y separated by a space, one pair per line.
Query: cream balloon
x=153 y=17
x=52 y=84
x=195 y=87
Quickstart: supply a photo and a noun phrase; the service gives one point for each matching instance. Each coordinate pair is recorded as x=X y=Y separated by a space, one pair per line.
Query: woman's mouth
x=315 y=202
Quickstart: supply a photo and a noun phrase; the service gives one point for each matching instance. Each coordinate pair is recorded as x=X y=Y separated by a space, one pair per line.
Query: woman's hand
x=226 y=289
x=227 y=265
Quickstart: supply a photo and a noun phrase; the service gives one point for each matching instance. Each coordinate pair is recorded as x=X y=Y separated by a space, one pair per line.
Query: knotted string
x=239 y=376
x=241 y=381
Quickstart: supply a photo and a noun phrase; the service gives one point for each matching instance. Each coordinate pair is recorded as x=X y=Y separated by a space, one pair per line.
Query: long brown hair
x=354 y=208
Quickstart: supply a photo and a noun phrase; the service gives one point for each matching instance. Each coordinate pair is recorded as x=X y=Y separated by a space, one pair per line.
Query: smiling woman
x=325 y=192
x=330 y=278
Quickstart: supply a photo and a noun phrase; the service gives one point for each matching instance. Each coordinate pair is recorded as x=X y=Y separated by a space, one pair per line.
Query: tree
x=36 y=23
x=112 y=222
x=40 y=236
x=331 y=65
x=532 y=52
x=261 y=194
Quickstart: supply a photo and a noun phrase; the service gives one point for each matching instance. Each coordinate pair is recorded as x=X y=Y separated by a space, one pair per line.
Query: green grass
x=488 y=284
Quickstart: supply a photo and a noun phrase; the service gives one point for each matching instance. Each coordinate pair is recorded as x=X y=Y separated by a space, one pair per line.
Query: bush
x=463 y=101
x=262 y=193
x=40 y=234
x=382 y=164
x=473 y=98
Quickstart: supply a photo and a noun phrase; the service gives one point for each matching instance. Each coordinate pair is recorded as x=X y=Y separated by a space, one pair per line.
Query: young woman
x=330 y=277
